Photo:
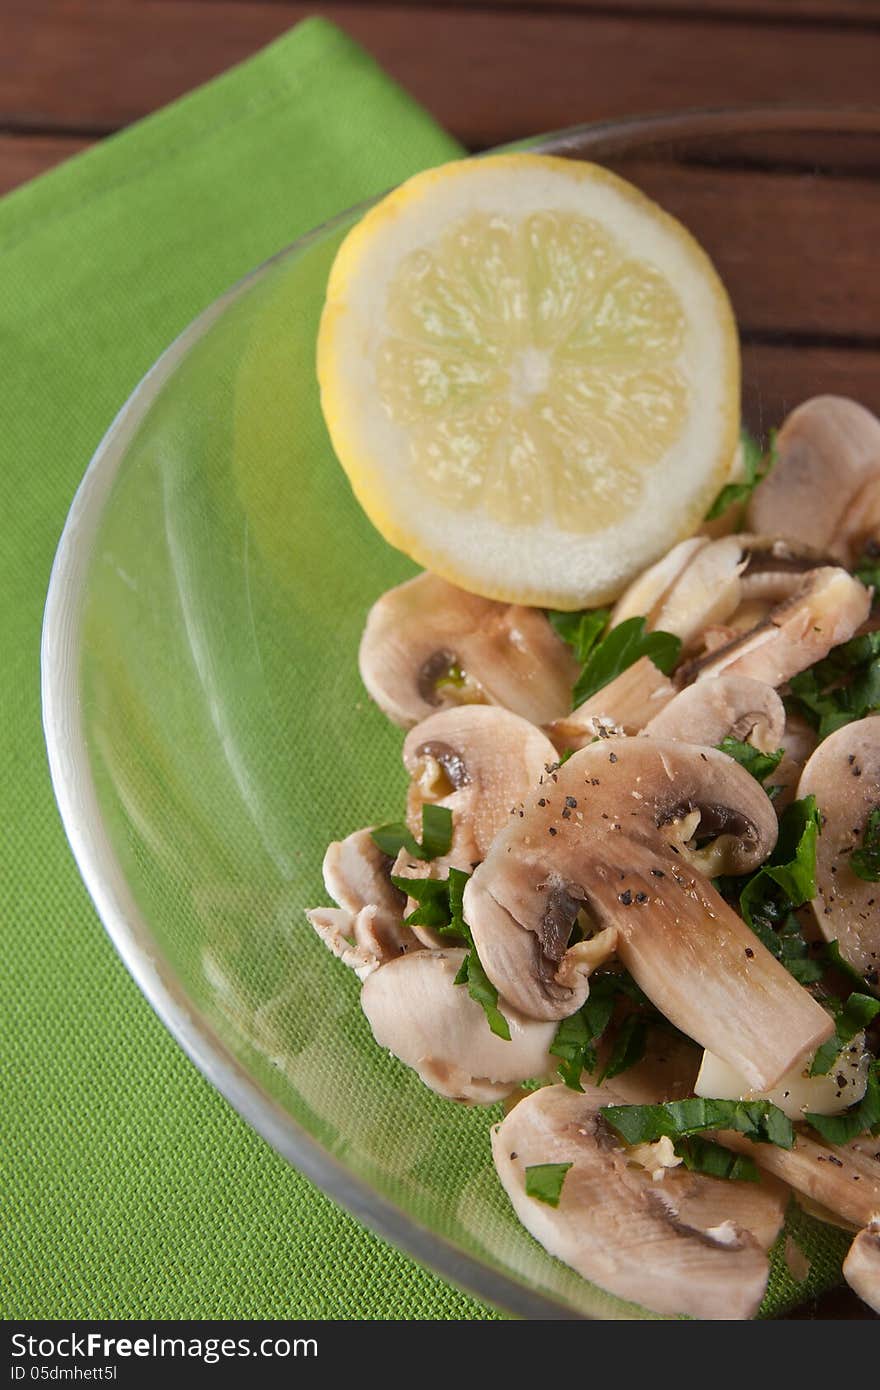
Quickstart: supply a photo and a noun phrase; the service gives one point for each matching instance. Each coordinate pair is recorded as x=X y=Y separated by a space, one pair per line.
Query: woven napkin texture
x=135 y=1190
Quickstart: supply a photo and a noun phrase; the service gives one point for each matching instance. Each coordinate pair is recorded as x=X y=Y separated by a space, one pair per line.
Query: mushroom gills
x=682 y=1245
x=727 y=707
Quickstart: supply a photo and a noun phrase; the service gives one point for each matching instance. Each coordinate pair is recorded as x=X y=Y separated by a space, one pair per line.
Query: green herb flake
x=629 y=1047
x=759 y=1120
x=440 y=905
x=578 y=1036
x=863 y=1118
x=625 y=645
x=544 y=1182
x=756 y=466
x=580 y=630
x=845 y=686
x=865 y=861
x=785 y=882
x=705 y=1156
x=759 y=764
x=436 y=835
x=851 y=1018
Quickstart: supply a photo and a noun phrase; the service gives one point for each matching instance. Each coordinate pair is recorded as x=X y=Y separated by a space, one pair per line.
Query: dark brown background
x=74 y=71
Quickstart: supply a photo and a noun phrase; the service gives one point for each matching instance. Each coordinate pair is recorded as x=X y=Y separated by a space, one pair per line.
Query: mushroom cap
x=682 y=1245
x=844 y=776
x=726 y=707
x=861 y=1268
x=599 y=835
x=826 y=608
x=416 y=1010
x=478 y=760
x=827 y=449
x=357 y=875
x=510 y=655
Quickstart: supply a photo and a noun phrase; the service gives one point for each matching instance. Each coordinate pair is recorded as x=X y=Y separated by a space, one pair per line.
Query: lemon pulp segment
x=530 y=374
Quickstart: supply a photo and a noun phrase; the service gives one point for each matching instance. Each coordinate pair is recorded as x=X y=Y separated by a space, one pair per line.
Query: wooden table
x=74 y=71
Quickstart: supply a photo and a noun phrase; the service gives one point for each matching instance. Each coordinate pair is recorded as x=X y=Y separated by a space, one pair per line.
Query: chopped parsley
x=604 y=658
x=440 y=906
x=865 y=861
x=756 y=465
x=705 y=1156
x=544 y=1182
x=770 y=895
x=578 y=1036
x=436 y=835
x=843 y=687
x=759 y=1120
x=759 y=764
x=849 y=1018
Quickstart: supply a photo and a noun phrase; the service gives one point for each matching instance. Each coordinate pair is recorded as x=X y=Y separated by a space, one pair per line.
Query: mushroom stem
x=841 y=1180
x=598 y=834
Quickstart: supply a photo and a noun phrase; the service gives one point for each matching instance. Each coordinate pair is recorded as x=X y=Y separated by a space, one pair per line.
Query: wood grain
x=23 y=157
x=488 y=75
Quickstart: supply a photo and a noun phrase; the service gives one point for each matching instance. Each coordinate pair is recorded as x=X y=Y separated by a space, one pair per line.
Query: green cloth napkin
x=136 y=1191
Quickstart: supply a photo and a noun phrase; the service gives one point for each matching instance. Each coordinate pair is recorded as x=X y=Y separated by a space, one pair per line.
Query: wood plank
x=797 y=252
x=22 y=157
x=489 y=76
x=775 y=379
x=834 y=12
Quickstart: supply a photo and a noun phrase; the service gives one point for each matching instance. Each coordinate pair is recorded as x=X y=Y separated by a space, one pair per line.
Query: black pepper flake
x=626 y=897
x=566 y=813
x=703 y=756
x=841 y=1079
x=512 y=1156
x=572 y=802
x=658 y=873
x=832 y=1158
x=857 y=772
x=641 y=897
x=612 y=757
x=542 y=801
x=851 y=759
x=594 y=782
x=750 y=953
x=605 y=815
x=551 y=830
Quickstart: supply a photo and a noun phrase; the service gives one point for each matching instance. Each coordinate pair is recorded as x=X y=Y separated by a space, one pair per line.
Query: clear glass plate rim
x=75 y=790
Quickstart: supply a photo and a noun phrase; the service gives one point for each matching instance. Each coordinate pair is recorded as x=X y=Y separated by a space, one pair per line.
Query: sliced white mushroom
x=858 y=534
x=839 y=1182
x=844 y=776
x=828 y=450
x=680 y=1245
x=416 y=1010
x=604 y=835
x=351 y=937
x=667 y=1071
x=827 y=607
x=727 y=707
x=861 y=1268
x=797 y=1093
x=429 y=644
x=479 y=761
x=645 y=594
x=625 y=705
x=798 y=741
x=357 y=875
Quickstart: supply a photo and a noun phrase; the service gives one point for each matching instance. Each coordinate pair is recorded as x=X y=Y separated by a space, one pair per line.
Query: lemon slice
x=530 y=374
